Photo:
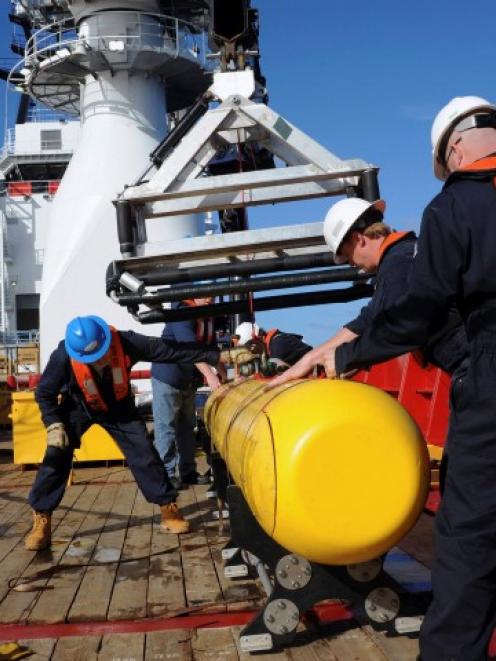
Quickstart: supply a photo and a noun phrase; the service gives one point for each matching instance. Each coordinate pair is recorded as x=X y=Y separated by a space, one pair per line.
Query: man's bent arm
x=157 y=350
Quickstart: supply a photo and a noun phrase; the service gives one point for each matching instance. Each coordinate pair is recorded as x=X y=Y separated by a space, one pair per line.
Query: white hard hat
x=340 y=219
x=446 y=120
x=246 y=331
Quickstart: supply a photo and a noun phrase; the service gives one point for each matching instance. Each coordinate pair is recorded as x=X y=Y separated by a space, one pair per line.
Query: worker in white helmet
x=455 y=264
x=281 y=349
x=355 y=231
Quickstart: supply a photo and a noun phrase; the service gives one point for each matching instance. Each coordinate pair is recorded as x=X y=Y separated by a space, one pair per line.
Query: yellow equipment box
x=29 y=435
x=335 y=471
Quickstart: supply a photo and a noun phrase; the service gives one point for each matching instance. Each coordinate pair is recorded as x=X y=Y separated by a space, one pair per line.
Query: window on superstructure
x=51 y=140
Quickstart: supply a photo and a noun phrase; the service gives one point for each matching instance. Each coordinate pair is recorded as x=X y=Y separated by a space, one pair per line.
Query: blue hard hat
x=87 y=339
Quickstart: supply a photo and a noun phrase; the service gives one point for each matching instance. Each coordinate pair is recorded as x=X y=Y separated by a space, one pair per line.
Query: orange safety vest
x=268 y=338
x=119 y=363
x=389 y=241
x=204 y=328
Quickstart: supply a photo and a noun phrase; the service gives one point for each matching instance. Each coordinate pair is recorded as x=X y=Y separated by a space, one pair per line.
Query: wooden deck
x=110 y=564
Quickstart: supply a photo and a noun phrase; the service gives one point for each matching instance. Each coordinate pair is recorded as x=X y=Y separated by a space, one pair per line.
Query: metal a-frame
x=179 y=185
x=311 y=171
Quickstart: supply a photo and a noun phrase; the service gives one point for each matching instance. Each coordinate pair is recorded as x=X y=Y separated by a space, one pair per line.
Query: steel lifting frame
x=178 y=186
x=294 y=584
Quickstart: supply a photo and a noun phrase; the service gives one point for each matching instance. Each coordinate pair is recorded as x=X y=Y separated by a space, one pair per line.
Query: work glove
x=56 y=436
x=236 y=356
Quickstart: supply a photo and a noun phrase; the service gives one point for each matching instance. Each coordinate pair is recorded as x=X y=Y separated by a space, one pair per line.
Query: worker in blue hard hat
x=87 y=381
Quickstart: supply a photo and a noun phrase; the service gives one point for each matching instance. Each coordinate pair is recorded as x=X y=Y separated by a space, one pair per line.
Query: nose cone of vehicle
x=335 y=471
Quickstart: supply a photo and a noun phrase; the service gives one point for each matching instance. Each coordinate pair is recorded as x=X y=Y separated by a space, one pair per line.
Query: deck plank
x=313 y=650
x=214 y=645
x=77 y=648
x=238 y=594
x=16 y=606
x=355 y=645
x=169 y=645
x=200 y=578
x=395 y=648
x=53 y=605
x=93 y=598
x=104 y=508
x=122 y=647
x=131 y=582
x=42 y=647
x=165 y=579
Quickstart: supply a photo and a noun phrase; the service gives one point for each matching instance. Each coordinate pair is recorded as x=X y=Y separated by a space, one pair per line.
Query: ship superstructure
x=34 y=157
x=122 y=68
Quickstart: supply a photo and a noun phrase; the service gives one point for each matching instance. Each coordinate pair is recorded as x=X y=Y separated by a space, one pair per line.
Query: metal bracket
x=374 y=597
x=177 y=186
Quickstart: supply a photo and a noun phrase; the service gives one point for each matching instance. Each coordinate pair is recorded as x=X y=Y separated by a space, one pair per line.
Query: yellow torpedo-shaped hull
x=335 y=471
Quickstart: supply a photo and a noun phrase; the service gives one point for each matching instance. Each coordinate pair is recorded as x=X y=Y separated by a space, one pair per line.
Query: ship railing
x=18 y=146
x=28 y=187
x=164 y=34
x=20 y=337
x=38 y=114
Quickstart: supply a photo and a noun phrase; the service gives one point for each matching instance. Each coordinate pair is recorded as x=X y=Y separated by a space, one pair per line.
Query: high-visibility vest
x=119 y=364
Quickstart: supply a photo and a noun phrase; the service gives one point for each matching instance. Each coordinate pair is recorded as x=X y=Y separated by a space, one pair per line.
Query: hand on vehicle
x=300 y=369
x=213 y=381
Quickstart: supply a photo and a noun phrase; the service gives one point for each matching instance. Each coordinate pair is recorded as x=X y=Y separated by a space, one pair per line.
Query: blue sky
x=365 y=79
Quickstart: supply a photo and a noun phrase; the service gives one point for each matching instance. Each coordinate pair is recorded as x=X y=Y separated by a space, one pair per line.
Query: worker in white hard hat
x=355 y=231
x=455 y=264
x=87 y=381
x=279 y=347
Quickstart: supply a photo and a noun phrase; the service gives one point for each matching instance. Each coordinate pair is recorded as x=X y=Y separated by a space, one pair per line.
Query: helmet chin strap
x=477 y=121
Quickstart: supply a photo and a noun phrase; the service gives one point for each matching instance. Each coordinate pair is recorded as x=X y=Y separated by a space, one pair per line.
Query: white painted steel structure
x=113 y=69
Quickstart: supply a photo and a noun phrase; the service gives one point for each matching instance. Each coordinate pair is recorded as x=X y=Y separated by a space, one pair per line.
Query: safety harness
x=119 y=364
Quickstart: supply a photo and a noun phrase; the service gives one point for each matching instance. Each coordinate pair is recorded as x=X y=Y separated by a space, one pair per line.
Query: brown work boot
x=172 y=519
x=40 y=536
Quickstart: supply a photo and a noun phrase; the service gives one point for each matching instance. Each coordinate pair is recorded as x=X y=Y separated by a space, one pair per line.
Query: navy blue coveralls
x=122 y=421
x=445 y=349
x=390 y=280
x=287 y=347
x=455 y=265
